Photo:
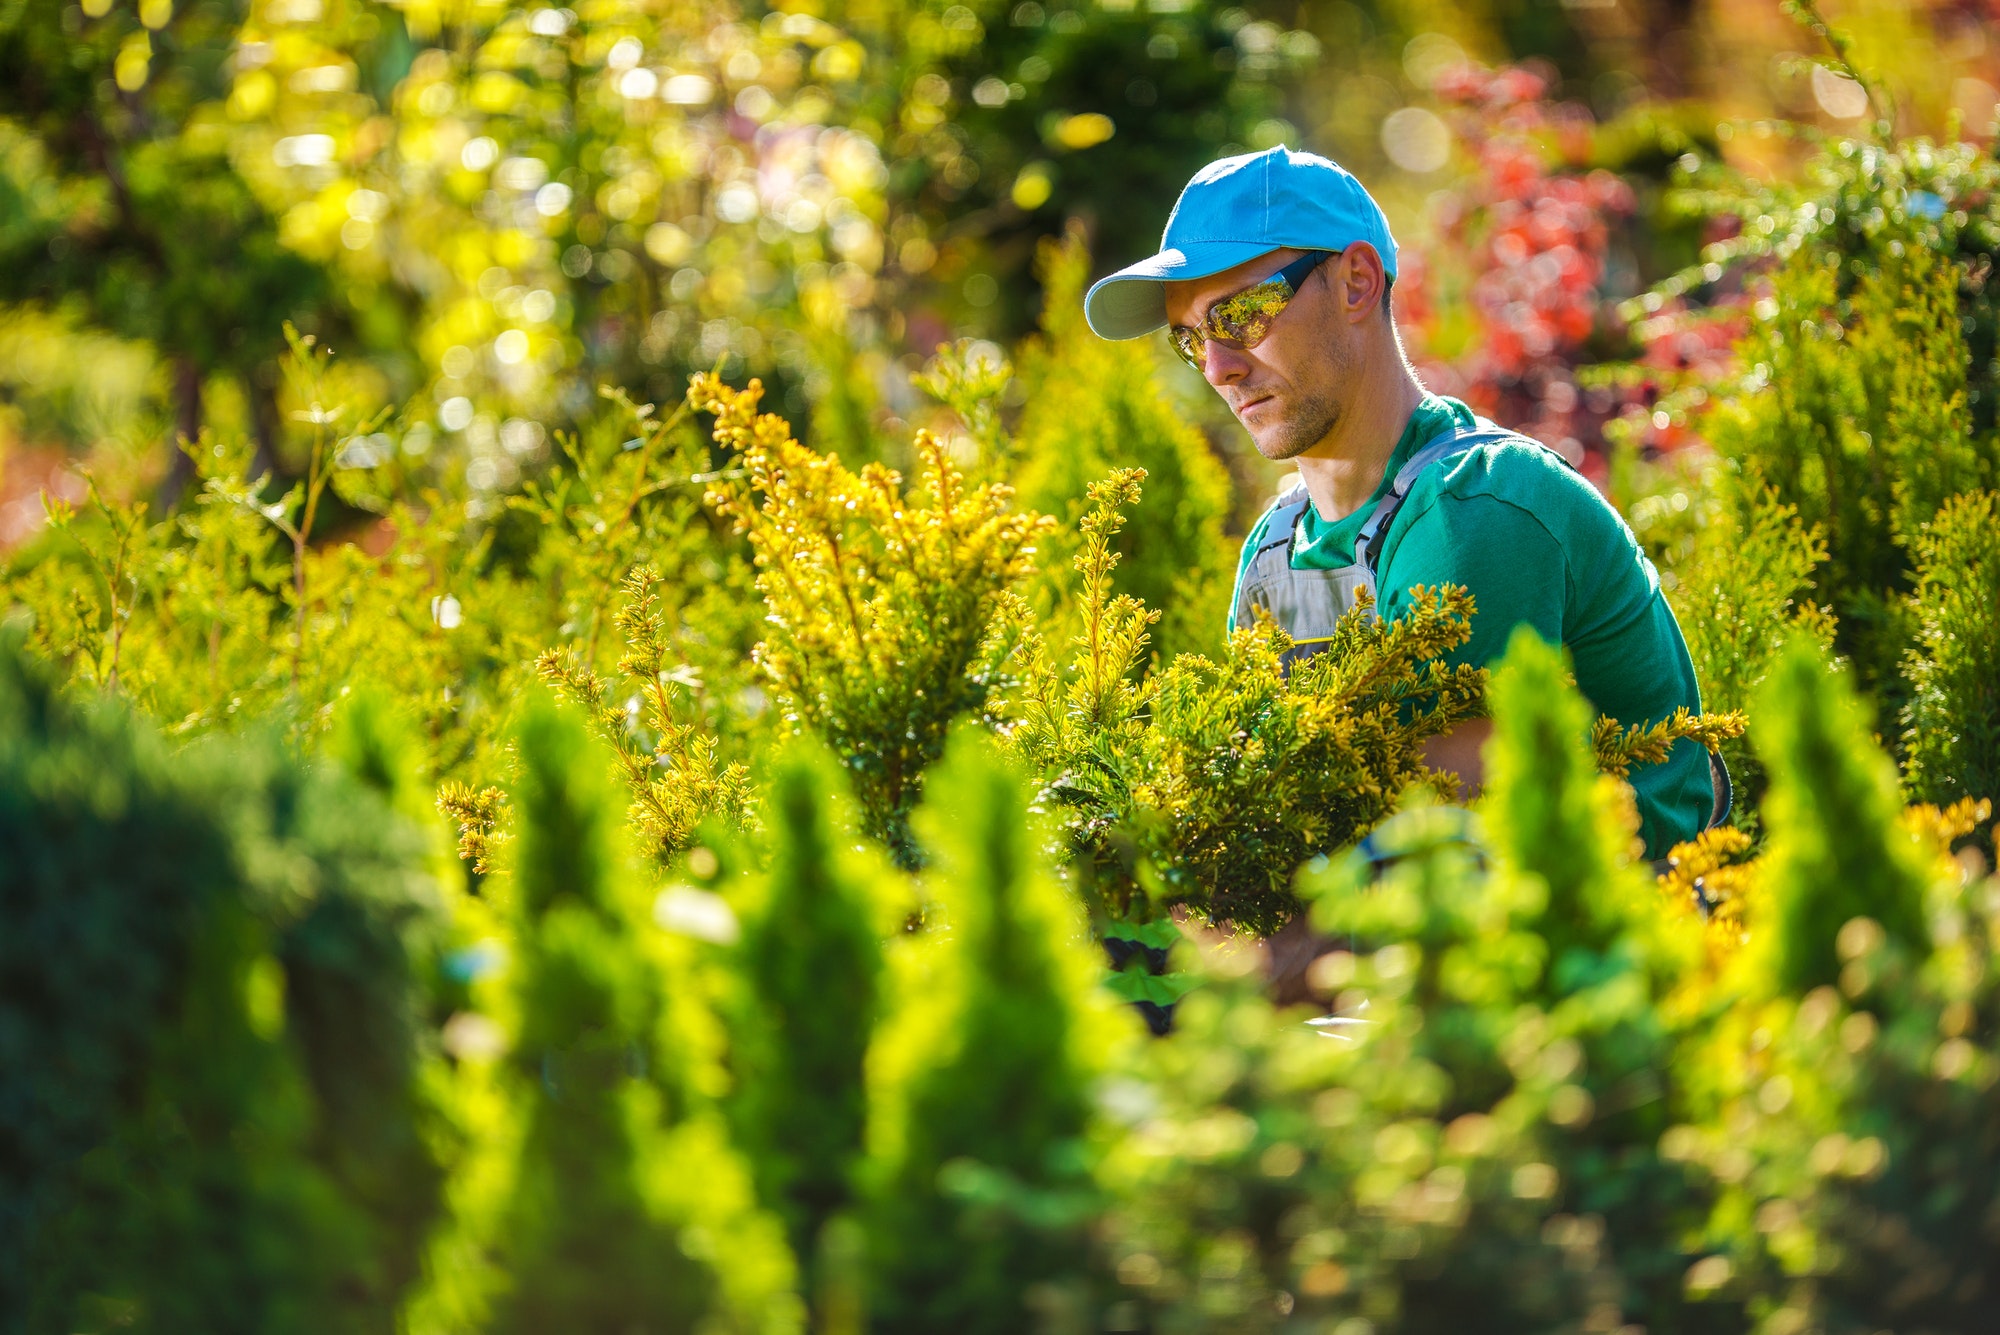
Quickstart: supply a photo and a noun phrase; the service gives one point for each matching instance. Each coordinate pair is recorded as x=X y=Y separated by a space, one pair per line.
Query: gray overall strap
x=1368 y=543
x=1308 y=604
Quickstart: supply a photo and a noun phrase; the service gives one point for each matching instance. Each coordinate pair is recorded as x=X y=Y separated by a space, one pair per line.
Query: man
x=1273 y=280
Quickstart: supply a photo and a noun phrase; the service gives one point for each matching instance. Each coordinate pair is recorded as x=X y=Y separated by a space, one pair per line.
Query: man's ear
x=1359 y=281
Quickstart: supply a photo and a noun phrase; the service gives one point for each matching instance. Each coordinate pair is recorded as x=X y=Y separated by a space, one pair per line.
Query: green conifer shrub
x=805 y=1002
x=1869 y=393
x=1091 y=406
x=1836 y=851
x=1476 y=1146
x=584 y=1242
x=96 y=946
x=1866 y=205
x=1543 y=801
x=1613 y=962
x=1951 y=725
x=357 y=961
x=1741 y=591
x=980 y=1190
x=1853 y=1130
x=210 y=994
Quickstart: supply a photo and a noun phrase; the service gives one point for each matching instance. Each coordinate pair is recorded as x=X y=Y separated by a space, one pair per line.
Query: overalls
x=1307 y=604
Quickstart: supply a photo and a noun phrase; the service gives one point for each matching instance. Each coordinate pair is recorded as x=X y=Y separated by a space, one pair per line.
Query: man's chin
x=1279 y=446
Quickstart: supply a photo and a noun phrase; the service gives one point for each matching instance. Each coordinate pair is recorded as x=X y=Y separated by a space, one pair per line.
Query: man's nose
x=1223 y=365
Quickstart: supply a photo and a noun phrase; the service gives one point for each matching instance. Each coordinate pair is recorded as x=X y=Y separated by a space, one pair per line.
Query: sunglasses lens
x=1241 y=321
x=1246 y=317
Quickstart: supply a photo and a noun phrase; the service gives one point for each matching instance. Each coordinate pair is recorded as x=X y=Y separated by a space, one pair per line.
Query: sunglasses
x=1243 y=320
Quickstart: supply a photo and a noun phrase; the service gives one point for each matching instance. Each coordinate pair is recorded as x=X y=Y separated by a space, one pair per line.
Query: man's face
x=1291 y=389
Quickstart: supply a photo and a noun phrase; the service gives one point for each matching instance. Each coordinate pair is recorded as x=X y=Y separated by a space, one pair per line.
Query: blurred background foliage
x=489 y=210
x=344 y=415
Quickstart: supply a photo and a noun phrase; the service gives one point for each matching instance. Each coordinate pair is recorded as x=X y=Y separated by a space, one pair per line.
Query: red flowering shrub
x=1533 y=231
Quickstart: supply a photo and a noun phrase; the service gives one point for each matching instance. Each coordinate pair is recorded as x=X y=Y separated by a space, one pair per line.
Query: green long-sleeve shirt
x=1535 y=544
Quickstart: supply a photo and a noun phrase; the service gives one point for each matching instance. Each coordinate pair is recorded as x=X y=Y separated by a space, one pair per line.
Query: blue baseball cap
x=1235 y=210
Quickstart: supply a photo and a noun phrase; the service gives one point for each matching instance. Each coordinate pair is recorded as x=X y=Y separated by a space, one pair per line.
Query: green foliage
x=1865 y=407
x=1739 y=590
x=1564 y=1100
x=1077 y=113
x=225 y=1128
x=477 y=196
x=1951 y=737
x=1812 y=440
x=1094 y=406
x=237 y=607
x=625 y=502
x=1836 y=852
x=119 y=199
x=1475 y=1146
x=224 y=612
x=882 y=608
x=122 y=937
x=1542 y=798
x=584 y=1245
x=1871 y=212
x=805 y=1005
x=981 y=1189
x=1554 y=1112
x=377 y=750
x=1860 y=1160
x=1226 y=777
x=1869 y=394
x=671 y=766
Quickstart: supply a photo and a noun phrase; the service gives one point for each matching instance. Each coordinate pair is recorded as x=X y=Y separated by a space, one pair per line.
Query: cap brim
x=1133 y=301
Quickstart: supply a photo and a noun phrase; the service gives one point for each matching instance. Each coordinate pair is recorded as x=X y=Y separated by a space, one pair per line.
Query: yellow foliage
x=882 y=605
x=1716 y=877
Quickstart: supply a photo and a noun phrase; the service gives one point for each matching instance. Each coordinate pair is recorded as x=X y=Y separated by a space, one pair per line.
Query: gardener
x=1273 y=281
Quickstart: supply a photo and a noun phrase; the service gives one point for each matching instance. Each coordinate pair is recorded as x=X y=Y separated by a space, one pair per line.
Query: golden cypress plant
x=881 y=604
x=1208 y=784
x=672 y=766
x=1216 y=780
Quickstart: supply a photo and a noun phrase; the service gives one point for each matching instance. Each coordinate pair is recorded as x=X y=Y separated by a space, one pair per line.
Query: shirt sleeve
x=1516 y=571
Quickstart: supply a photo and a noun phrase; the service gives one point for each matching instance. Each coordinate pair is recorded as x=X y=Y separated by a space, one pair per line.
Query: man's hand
x=1458 y=751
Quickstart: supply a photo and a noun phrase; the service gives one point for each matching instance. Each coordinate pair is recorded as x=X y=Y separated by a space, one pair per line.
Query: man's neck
x=1342 y=471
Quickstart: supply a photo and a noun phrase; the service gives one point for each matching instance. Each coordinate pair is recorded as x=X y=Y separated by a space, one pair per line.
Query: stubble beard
x=1308 y=422
x=1312 y=416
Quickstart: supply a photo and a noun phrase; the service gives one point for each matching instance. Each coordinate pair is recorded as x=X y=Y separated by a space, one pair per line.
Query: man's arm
x=1458 y=752
x=1515 y=570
